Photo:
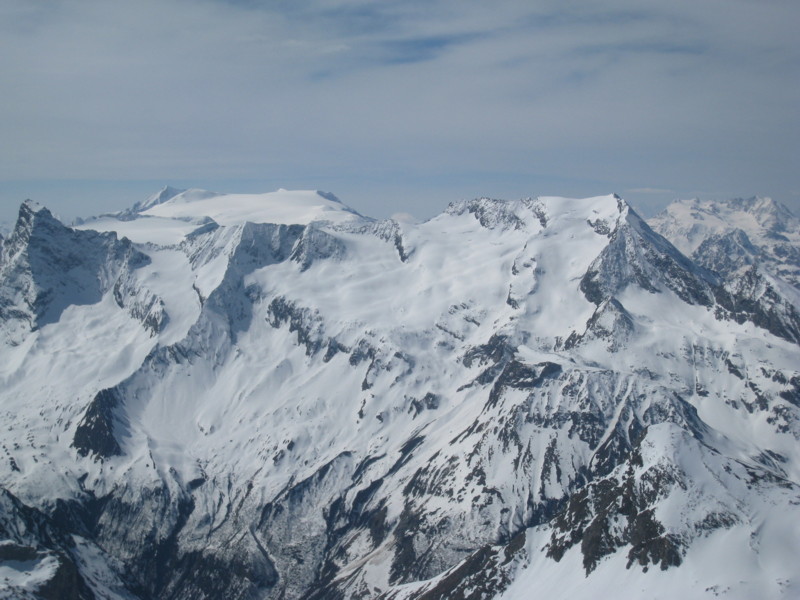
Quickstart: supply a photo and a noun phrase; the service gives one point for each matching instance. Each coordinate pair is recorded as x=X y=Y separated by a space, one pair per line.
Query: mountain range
x=272 y=396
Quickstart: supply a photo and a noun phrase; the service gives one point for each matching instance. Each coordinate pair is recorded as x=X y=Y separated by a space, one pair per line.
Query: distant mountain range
x=272 y=396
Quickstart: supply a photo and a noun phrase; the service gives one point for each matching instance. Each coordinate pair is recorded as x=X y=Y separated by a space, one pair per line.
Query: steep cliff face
x=47 y=267
x=333 y=407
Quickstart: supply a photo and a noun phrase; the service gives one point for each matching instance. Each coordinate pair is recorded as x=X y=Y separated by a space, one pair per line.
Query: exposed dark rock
x=636 y=255
x=792 y=394
x=95 y=433
x=489 y=213
x=429 y=401
x=650 y=544
x=50 y=267
x=609 y=514
x=305 y=323
x=317 y=244
x=751 y=298
x=66 y=583
x=610 y=322
x=405 y=452
x=521 y=376
x=726 y=253
x=31 y=536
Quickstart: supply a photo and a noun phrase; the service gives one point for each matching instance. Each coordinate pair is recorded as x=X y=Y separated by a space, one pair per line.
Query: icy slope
x=540 y=390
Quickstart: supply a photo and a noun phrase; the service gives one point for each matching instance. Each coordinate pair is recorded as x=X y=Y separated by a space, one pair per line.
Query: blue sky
x=398 y=106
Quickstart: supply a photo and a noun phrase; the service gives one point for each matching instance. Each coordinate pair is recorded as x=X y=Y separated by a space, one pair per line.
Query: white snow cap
x=282 y=207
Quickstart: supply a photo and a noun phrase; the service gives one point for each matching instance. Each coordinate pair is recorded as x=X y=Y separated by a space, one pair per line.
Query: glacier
x=273 y=396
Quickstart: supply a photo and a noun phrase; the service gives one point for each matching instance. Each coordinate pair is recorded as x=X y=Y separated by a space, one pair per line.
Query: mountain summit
x=277 y=207
x=272 y=396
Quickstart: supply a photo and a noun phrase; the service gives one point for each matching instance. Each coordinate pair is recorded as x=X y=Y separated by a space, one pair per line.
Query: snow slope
x=167 y=217
x=283 y=206
x=271 y=396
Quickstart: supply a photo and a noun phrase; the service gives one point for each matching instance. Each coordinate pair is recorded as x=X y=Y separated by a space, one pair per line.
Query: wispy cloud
x=418 y=49
x=648 y=190
x=638 y=47
x=692 y=94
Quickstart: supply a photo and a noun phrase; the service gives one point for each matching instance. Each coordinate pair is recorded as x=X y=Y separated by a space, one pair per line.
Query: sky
x=398 y=106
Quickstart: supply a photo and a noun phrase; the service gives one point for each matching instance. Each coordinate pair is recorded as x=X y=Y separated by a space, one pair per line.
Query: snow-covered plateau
x=271 y=396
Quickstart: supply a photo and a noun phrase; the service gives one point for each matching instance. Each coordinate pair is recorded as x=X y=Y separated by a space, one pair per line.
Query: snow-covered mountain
x=735 y=235
x=272 y=396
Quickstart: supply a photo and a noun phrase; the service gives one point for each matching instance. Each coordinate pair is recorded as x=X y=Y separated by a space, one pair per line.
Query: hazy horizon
x=65 y=199
x=398 y=106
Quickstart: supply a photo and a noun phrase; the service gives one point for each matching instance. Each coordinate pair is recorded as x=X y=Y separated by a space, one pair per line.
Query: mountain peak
x=30 y=215
x=31 y=209
x=329 y=196
x=769 y=213
x=603 y=213
x=165 y=194
x=279 y=207
x=32 y=206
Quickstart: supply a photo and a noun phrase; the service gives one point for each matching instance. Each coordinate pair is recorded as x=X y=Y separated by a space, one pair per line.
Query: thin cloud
x=697 y=95
x=647 y=190
x=639 y=47
x=419 y=49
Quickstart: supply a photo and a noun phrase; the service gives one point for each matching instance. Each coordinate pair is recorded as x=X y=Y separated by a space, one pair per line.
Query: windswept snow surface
x=283 y=206
x=168 y=217
x=279 y=398
x=160 y=231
